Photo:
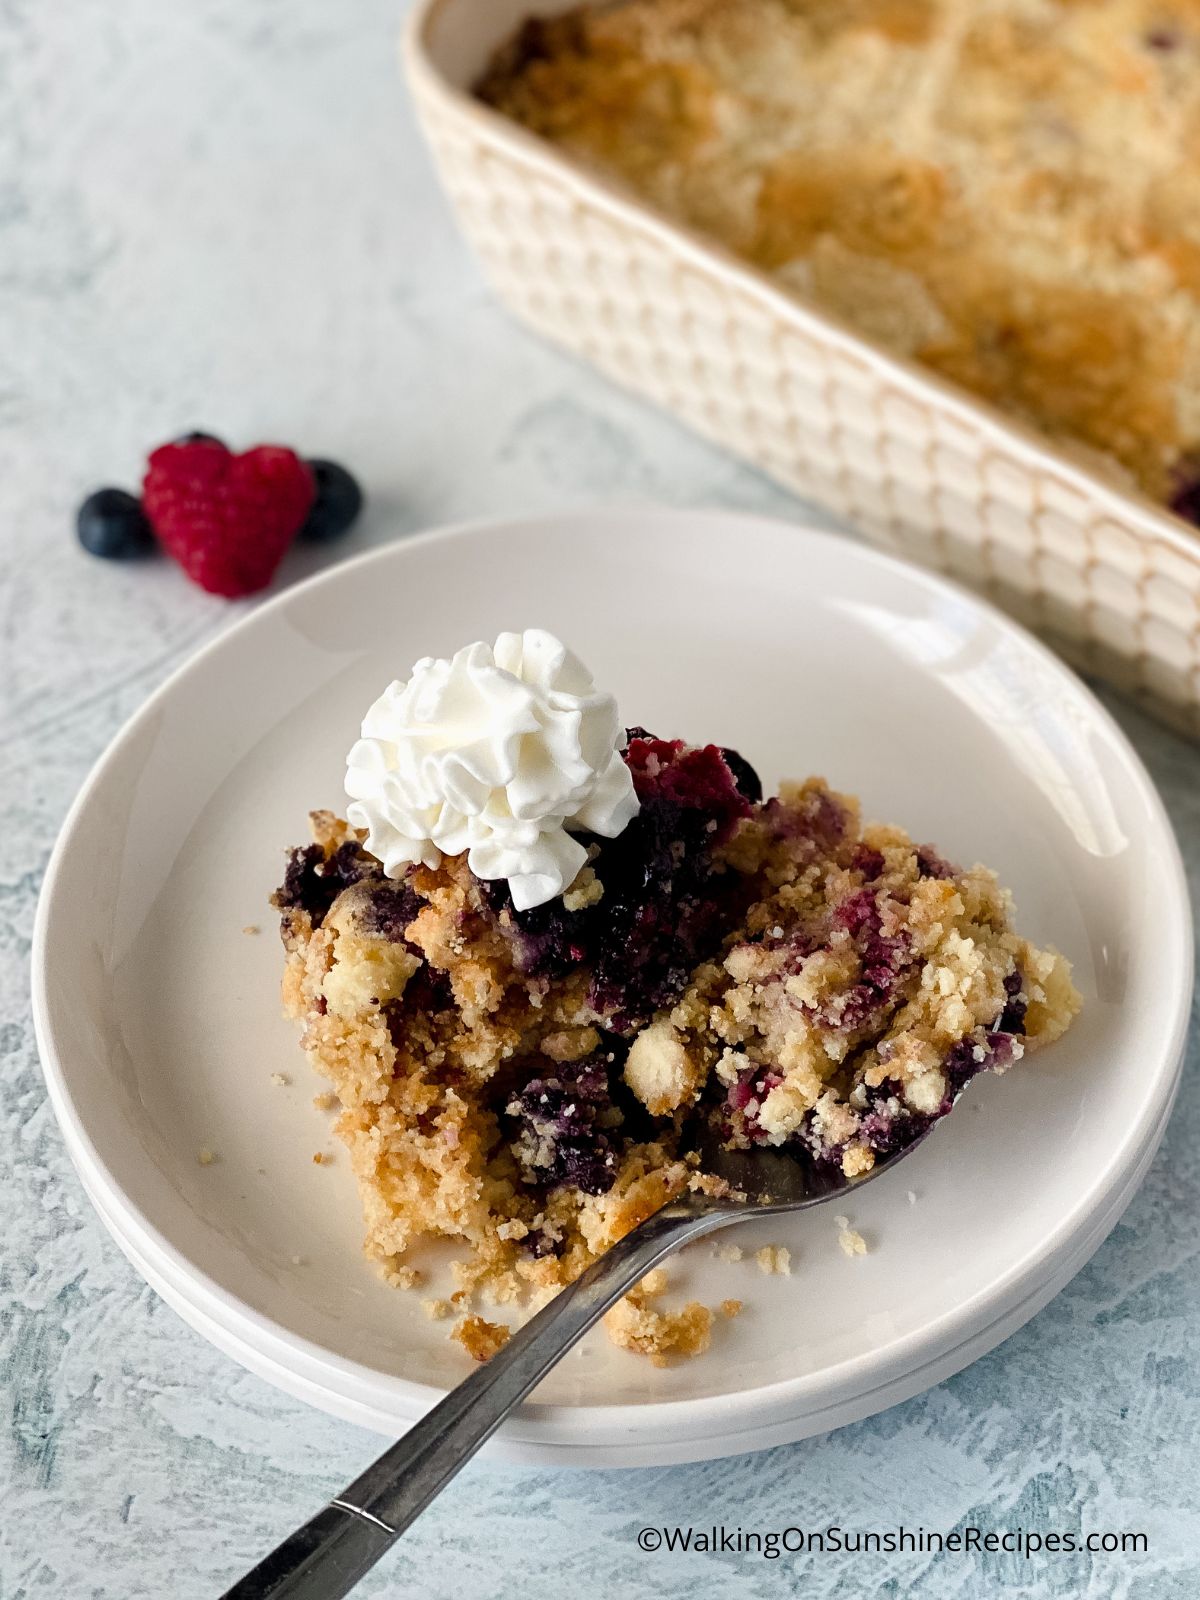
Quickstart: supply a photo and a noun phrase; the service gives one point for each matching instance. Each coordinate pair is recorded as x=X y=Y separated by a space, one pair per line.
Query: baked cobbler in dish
x=1007 y=191
x=527 y=1081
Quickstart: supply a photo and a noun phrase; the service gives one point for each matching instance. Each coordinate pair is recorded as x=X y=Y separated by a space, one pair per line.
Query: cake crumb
x=252 y=928
x=587 y=890
x=774 y=1258
x=911 y=1197
x=852 y=1242
x=731 y=1308
x=405 y=1277
x=659 y=1334
x=479 y=1338
x=325 y=1101
x=322 y=1158
x=280 y=1080
x=436 y=1310
x=729 y=1252
x=654 y=1283
x=297 y=1261
x=570 y=1044
x=205 y=1156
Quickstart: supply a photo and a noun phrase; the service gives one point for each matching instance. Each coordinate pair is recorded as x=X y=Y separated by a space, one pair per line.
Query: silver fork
x=325 y=1558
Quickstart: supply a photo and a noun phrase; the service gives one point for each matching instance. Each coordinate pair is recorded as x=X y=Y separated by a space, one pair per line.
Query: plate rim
x=410 y=1398
x=546 y=1448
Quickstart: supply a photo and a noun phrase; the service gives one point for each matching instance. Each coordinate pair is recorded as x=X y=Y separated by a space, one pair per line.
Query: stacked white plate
x=161 y=1035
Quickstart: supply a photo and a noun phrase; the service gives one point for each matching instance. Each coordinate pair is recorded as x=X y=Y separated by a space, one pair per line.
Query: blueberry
x=559 y=1124
x=112 y=523
x=313 y=881
x=338 y=502
x=196 y=437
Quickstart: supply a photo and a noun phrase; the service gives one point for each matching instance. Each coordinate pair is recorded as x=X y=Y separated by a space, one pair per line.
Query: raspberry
x=226 y=519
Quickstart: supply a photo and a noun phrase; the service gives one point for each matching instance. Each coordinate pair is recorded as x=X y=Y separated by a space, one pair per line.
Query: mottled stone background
x=218 y=213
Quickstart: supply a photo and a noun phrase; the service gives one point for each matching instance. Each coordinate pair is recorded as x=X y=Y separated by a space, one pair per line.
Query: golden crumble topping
x=1007 y=191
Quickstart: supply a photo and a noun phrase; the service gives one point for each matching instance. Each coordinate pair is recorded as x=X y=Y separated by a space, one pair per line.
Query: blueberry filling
x=969 y=1058
x=541 y=1242
x=1012 y=1018
x=427 y=993
x=867 y=861
x=931 y=865
x=665 y=902
x=560 y=1128
x=389 y=910
x=312 y=882
x=884 y=961
x=743 y=1098
x=818 y=816
x=748 y=782
x=887 y=1123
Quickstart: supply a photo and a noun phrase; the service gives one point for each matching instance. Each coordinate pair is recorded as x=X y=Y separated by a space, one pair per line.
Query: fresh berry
x=112 y=523
x=338 y=503
x=227 y=519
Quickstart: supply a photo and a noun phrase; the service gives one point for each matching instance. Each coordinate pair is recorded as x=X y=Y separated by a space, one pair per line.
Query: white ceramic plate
x=159 y=1021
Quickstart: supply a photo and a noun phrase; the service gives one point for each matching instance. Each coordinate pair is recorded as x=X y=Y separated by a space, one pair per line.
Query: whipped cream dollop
x=500 y=751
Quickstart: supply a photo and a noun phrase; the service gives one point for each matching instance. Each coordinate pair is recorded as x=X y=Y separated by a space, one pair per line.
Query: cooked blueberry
x=666 y=901
x=390 y=909
x=748 y=781
x=312 y=881
x=970 y=1057
x=112 y=524
x=337 y=504
x=539 y=1242
x=197 y=437
x=1012 y=1018
x=558 y=1134
x=888 y=1123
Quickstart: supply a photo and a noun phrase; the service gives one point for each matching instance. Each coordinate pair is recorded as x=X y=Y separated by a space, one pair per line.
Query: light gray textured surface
x=217 y=213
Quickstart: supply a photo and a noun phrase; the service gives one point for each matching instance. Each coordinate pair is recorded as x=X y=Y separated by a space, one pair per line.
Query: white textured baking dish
x=918 y=465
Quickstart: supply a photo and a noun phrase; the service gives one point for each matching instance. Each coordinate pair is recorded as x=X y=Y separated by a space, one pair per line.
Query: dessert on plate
x=1006 y=192
x=541 y=950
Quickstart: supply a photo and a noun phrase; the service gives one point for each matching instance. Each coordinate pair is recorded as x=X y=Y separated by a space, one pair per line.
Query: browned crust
x=1009 y=194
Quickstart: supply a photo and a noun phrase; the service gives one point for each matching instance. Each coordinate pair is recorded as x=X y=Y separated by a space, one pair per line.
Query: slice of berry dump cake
x=524 y=1080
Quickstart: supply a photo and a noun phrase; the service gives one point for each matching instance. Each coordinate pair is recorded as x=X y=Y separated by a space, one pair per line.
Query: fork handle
x=325 y=1558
